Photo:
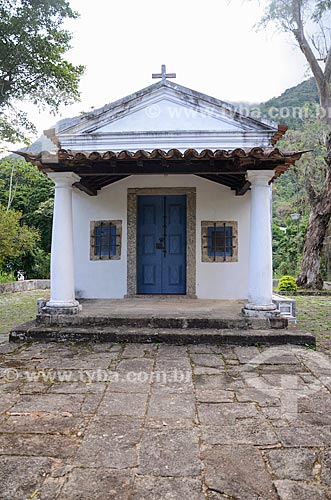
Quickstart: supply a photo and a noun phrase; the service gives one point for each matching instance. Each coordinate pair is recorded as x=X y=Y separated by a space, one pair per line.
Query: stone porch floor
x=173 y=320
x=157 y=422
x=166 y=307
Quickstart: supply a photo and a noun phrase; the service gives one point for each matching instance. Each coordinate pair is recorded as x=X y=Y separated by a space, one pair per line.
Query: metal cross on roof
x=163 y=73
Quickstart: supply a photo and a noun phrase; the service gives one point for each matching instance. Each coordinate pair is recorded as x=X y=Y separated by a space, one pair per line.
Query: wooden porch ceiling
x=229 y=168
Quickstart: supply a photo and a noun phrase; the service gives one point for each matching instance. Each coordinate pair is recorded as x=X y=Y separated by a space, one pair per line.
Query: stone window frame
x=205 y=225
x=133 y=194
x=118 y=225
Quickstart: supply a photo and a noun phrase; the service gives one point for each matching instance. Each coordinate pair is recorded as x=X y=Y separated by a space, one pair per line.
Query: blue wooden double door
x=161 y=244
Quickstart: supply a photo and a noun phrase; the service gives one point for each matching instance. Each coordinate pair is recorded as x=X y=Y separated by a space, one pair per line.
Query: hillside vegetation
x=298 y=108
x=294 y=106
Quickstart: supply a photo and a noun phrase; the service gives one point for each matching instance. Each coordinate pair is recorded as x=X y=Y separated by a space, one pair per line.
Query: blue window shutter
x=225 y=236
x=105 y=240
x=229 y=242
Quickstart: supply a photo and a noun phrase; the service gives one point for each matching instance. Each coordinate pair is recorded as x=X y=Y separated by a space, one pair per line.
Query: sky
x=211 y=45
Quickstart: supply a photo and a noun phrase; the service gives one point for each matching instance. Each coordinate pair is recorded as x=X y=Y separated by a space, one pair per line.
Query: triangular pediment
x=165 y=113
x=164 y=107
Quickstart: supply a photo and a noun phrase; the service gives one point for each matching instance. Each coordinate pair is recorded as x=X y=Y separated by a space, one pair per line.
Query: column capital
x=259 y=177
x=63 y=179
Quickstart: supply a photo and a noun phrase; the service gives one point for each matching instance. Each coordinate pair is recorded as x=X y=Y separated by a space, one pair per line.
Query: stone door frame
x=132 y=210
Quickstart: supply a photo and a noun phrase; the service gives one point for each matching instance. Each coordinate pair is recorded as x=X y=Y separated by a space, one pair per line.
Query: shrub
x=287 y=284
x=6 y=277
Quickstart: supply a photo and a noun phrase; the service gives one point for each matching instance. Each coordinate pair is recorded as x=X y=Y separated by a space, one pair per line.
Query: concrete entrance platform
x=174 y=320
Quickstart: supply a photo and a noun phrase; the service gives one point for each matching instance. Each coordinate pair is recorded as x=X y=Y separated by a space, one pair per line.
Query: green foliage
x=6 y=277
x=321 y=7
x=286 y=13
x=14 y=124
x=287 y=284
x=294 y=106
x=29 y=194
x=34 y=264
x=24 y=188
x=311 y=170
x=287 y=244
x=16 y=239
x=41 y=265
x=32 y=65
x=291 y=191
x=305 y=91
x=42 y=219
x=295 y=191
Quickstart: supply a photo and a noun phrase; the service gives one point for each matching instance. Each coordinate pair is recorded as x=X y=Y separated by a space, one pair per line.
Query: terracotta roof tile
x=172 y=154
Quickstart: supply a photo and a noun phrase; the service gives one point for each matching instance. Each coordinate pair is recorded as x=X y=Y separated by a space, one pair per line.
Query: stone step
x=31 y=332
x=148 y=321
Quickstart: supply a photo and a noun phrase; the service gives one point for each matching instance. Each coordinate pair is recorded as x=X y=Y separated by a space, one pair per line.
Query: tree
x=27 y=190
x=291 y=195
x=42 y=219
x=308 y=21
x=32 y=65
x=16 y=239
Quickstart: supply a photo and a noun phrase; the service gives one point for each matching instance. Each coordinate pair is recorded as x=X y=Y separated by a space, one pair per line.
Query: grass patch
x=17 y=308
x=313 y=314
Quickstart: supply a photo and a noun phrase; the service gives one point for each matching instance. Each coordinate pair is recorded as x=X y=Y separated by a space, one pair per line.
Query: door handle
x=160 y=244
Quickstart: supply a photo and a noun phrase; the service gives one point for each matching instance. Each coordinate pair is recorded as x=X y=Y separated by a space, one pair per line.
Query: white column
x=260 y=247
x=62 y=254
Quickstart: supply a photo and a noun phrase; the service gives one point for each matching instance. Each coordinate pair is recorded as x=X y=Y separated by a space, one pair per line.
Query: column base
x=58 y=307
x=261 y=310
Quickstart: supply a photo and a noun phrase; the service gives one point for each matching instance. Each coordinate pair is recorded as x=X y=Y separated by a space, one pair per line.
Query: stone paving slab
x=172 y=405
x=293 y=463
x=298 y=491
x=111 y=442
x=170 y=452
x=32 y=472
x=162 y=488
x=35 y=445
x=238 y=472
x=155 y=422
x=87 y=483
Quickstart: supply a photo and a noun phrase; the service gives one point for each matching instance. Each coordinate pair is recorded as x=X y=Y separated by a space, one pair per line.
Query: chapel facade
x=164 y=192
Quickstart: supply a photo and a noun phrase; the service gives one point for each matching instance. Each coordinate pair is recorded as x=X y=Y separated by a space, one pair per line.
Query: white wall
x=107 y=279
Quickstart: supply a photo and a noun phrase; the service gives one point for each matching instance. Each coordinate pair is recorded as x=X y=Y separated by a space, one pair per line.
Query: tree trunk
x=310 y=276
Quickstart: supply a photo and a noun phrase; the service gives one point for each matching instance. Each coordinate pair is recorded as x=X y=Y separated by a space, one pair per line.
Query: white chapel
x=164 y=192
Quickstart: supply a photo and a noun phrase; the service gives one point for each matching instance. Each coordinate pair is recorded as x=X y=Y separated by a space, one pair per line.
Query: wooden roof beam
x=241 y=190
x=83 y=186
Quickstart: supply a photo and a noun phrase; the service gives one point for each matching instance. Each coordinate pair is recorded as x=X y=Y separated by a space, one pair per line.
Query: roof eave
x=223 y=166
x=282 y=129
x=51 y=135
